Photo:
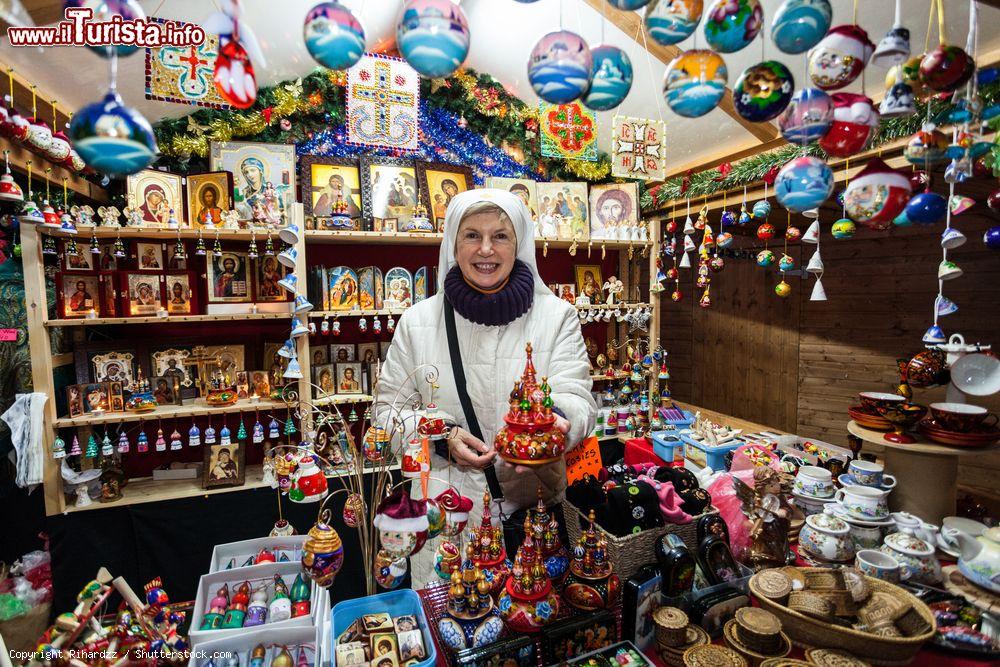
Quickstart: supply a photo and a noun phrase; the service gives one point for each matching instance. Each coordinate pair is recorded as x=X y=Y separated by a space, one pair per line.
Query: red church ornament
x=488 y=552
x=528 y=601
x=530 y=437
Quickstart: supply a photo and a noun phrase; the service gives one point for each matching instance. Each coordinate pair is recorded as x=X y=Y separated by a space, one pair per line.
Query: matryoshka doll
x=280 y=608
x=257 y=609
x=212 y=619
x=237 y=610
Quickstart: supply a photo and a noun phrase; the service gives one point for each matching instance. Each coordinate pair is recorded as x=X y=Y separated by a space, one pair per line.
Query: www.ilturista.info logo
x=79 y=30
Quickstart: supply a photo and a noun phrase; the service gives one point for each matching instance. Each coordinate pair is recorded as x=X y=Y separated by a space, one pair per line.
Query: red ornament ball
x=671 y=227
x=676 y=295
x=980 y=169
x=765 y=232
x=993 y=201
x=673 y=273
x=793 y=234
x=920 y=180
x=946 y=68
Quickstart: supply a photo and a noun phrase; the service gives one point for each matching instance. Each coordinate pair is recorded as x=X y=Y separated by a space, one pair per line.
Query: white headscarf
x=513 y=206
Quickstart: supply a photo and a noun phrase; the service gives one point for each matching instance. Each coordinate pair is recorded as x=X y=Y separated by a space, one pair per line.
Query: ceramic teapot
x=980 y=561
x=916 y=557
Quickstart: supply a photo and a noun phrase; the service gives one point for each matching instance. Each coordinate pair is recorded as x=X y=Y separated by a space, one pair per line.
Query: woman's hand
x=468 y=451
x=562 y=424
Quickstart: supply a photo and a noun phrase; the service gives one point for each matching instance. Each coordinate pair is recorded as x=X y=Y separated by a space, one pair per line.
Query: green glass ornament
x=95 y=248
x=289 y=426
x=72 y=249
x=269 y=246
x=252 y=250
x=353 y=416
x=199 y=246
x=49 y=246
x=179 y=252
x=91 y=451
x=17 y=250
x=241 y=432
x=525 y=405
x=119 y=248
x=217 y=247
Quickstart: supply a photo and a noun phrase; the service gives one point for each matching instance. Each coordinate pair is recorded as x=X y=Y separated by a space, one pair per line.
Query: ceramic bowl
x=960 y=417
x=871 y=401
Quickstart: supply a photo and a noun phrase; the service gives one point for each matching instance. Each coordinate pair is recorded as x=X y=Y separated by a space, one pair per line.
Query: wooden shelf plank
x=148 y=490
x=342 y=399
x=196 y=408
x=173 y=319
x=164 y=234
x=19 y=156
x=604 y=377
x=357 y=313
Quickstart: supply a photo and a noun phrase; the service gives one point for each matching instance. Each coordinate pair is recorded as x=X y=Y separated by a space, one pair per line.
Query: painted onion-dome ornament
x=402 y=524
x=418 y=222
x=470 y=619
x=257 y=609
x=528 y=601
x=545 y=530
x=212 y=620
x=876 y=195
x=175 y=441
x=333 y=35
x=161 y=442
x=529 y=436
x=488 y=551
x=591 y=583
x=300 y=595
x=339 y=219
x=322 y=552
x=237 y=610
x=141 y=442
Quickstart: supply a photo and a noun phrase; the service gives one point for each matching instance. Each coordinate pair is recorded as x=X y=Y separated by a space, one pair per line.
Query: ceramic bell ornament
x=894 y=48
x=402 y=524
x=470 y=619
x=322 y=552
x=898 y=101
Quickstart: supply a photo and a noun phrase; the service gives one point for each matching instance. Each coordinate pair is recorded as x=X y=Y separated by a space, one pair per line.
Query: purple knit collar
x=492 y=310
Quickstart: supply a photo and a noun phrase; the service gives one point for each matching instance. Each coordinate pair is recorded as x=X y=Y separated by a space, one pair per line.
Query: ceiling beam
x=44 y=12
x=631 y=24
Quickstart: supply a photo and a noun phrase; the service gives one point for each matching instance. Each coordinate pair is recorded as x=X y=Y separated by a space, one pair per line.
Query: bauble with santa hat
x=402 y=524
x=855 y=120
x=877 y=195
x=309 y=483
x=839 y=57
x=455 y=508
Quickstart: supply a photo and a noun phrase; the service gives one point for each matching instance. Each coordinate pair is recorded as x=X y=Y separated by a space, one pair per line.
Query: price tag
x=584 y=460
x=8 y=335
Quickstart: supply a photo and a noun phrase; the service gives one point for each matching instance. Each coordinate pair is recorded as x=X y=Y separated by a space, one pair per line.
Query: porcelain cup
x=863 y=502
x=878 y=565
x=869 y=473
x=866 y=537
x=814 y=481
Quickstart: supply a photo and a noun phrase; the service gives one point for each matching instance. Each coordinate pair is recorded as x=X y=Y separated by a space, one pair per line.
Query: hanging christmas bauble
x=112 y=138
x=354 y=509
x=843 y=229
x=670 y=227
x=322 y=552
x=389 y=573
x=611 y=78
x=855 y=120
x=946 y=68
x=695 y=82
x=676 y=295
x=783 y=289
x=803 y=183
x=786 y=263
x=58 y=150
x=671 y=21
x=234 y=77
x=762 y=209
x=724 y=240
x=433 y=36
x=839 y=57
x=39 y=134
x=926 y=208
x=991 y=237
x=559 y=67
x=731 y=25
x=763 y=91
x=103 y=12
x=908 y=73
x=927 y=147
x=333 y=35
x=808 y=117
x=765 y=258
x=798 y=25
x=401 y=523
x=716 y=263
x=765 y=232
x=877 y=195
x=628 y=5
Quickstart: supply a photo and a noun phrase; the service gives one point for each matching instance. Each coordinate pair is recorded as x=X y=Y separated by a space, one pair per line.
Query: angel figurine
x=133 y=216
x=231 y=219
x=109 y=216
x=613 y=288
x=767 y=520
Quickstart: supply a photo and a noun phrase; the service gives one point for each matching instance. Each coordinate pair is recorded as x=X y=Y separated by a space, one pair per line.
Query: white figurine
x=109 y=216
x=613 y=288
x=231 y=219
x=133 y=216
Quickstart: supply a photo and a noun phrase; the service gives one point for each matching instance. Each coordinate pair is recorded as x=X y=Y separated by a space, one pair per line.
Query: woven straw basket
x=627 y=554
x=812 y=633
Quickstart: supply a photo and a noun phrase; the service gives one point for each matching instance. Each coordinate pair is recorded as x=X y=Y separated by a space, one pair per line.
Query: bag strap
x=463 y=396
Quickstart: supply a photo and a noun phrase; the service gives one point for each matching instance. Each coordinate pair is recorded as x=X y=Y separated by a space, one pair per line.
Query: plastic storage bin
x=703 y=456
x=666 y=445
x=395 y=603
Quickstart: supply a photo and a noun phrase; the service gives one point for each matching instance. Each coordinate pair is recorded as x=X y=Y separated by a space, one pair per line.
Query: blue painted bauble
x=808 y=117
x=724 y=240
x=901 y=220
x=763 y=91
x=128 y=10
x=611 y=78
x=730 y=25
x=926 y=208
x=728 y=218
x=333 y=35
x=671 y=21
x=628 y=5
x=798 y=25
x=765 y=258
x=112 y=138
x=695 y=82
x=433 y=36
x=762 y=209
x=843 y=228
x=803 y=183
x=992 y=237
x=559 y=67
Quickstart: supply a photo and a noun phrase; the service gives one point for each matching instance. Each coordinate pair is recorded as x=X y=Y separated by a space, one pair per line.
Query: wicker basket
x=627 y=554
x=812 y=633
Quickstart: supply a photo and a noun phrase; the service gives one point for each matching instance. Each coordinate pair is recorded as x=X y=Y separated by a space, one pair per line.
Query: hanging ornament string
x=10 y=84
x=48 y=170
x=649 y=67
x=55 y=118
x=34 y=106
x=65 y=201
x=30 y=193
x=854 y=15
x=847 y=181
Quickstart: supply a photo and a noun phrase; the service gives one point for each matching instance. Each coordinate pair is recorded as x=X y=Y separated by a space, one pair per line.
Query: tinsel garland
x=752 y=169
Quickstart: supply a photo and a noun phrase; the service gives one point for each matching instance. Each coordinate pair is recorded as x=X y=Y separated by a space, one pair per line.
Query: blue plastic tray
x=395 y=603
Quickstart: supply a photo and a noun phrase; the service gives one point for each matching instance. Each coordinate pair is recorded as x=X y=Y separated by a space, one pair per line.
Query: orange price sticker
x=584 y=460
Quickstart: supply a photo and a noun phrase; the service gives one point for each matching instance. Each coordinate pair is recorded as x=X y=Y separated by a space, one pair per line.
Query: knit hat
x=399 y=513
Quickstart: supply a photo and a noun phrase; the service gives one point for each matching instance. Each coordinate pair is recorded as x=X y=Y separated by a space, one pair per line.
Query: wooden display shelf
x=162 y=233
x=387 y=238
x=359 y=312
x=343 y=399
x=604 y=377
x=604 y=306
x=197 y=408
x=173 y=319
x=148 y=490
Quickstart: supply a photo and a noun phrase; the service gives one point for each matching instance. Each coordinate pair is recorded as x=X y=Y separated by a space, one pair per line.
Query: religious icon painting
x=228 y=277
x=343 y=282
x=269 y=272
x=327 y=181
x=149 y=256
x=208 y=196
x=184 y=74
x=589 y=282
x=153 y=194
x=173 y=363
x=142 y=293
x=260 y=384
x=181 y=299
x=108 y=281
x=614 y=208
x=74 y=400
x=263 y=178
x=568 y=131
x=420 y=284
x=383 y=97
x=341 y=352
x=242 y=385
x=366 y=287
x=398 y=288
x=115 y=366
x=166 y=390
x=95 y=397
x=325 y=379
x=566 y=292
x=320 y=355
x=106 y=260
x=116 y=396
x=638 y=149
x=562 y=211
x=174 y=260
x=224 y=465
x=81 y=260
x=439 y=183
x=348 y=378
x=78 y=294
x=388 y=189
x=526 y=189
x=368 y=353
